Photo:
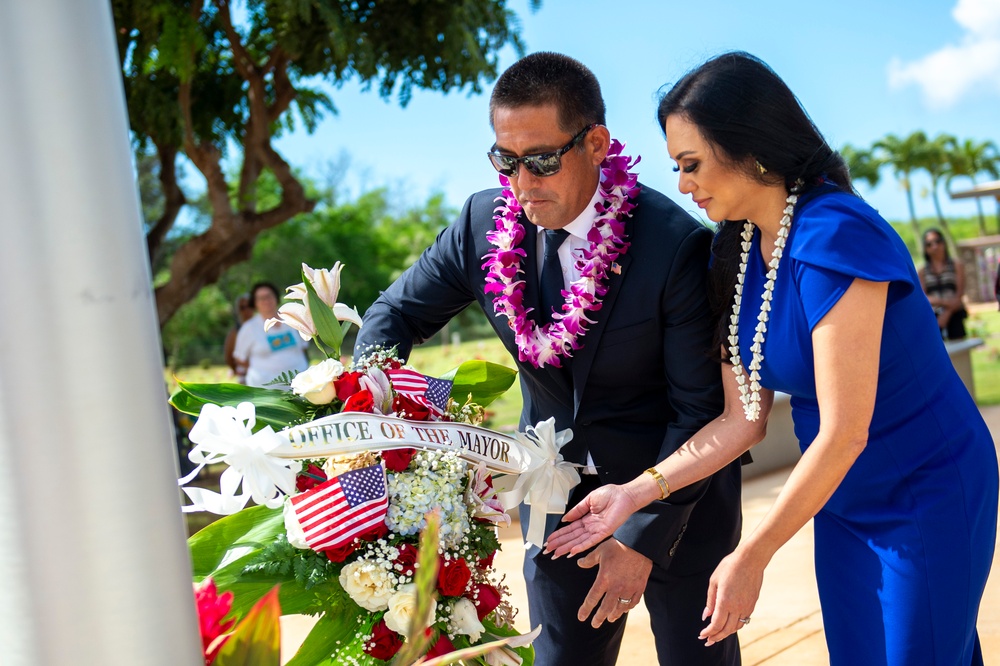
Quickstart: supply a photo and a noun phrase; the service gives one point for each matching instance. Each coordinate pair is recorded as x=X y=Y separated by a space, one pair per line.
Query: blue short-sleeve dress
x=904 y=546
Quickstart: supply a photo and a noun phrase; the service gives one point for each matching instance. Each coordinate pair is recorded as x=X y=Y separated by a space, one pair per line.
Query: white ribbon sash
x=357 y=432
x=264 y=463
x=546 y=484
x=225 y=434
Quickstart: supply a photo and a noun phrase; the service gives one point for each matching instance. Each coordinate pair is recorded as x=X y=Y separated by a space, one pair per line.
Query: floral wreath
x=545 y=345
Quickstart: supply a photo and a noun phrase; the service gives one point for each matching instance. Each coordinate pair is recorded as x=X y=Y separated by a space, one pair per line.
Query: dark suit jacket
x=642 y=383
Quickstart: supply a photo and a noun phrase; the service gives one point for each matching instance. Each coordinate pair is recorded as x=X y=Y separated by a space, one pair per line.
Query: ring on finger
x=625 y=601
x=745 y=620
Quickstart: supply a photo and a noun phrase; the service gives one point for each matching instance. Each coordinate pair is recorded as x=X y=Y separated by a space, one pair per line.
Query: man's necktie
x=551 y=283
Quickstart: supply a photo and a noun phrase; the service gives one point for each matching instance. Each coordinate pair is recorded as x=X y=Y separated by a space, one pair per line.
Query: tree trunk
x=945 y=229
x=913 y=213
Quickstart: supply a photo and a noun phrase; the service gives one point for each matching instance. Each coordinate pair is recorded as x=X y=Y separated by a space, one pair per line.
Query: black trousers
x=557 y=588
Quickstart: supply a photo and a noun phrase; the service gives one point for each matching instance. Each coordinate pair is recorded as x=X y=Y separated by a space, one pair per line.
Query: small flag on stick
x=333 y=513
x=427 y=391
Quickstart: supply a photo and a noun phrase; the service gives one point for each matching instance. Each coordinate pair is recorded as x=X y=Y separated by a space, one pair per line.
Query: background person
x=268 y=354
x=635 y=385
x=943 y=281
x=898 y=467
x=242 y=311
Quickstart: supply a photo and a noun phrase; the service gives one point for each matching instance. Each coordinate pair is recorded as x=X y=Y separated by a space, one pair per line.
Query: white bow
x=225 y=434
x=546 y=484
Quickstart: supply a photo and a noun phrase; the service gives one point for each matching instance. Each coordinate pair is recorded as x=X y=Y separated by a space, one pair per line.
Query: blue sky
x=862 y=69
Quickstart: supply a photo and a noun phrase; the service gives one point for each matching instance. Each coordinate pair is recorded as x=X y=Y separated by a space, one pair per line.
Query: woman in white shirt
x=268 y=354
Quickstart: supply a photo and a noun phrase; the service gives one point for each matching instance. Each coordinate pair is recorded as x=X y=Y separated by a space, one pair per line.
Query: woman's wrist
x=643 y=490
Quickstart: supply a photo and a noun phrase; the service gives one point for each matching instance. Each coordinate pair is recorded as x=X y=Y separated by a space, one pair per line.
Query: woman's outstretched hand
x=733 y=591
x=592 y=521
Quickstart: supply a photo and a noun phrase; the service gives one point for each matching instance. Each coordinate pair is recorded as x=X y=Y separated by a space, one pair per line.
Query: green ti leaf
x=274 y=408
x=328 y=328
x=256 y=641
x=482 y=380
x=224 y=548
x=332 y=631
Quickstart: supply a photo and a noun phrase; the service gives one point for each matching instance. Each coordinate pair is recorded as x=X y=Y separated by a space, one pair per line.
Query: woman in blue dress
x=819 y=298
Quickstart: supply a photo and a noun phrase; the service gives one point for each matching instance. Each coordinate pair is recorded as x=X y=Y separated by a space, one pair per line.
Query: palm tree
x=969 y=159
x=905 y=156
x=933 y=158
x=862 y=164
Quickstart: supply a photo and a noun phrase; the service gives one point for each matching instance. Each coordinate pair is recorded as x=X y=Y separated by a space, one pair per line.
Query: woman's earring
x=760 y=167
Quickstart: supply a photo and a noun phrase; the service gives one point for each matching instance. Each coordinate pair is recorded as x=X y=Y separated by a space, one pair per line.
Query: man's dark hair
x=547 y=78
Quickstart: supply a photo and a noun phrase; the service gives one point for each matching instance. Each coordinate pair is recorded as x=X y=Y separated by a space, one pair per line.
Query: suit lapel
x=583 y=359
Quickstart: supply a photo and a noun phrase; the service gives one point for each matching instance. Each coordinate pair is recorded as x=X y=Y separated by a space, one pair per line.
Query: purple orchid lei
x=546 y=345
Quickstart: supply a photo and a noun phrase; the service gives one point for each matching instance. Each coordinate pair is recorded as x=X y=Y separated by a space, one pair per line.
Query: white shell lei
x=750 y=396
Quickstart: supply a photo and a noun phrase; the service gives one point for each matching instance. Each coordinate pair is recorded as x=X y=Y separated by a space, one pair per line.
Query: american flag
x=428 y=391
x=334 y=512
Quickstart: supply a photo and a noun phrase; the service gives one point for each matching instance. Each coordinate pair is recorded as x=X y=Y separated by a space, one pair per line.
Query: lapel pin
x=616 y=268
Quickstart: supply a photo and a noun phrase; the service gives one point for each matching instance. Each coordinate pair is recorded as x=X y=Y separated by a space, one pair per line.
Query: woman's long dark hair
x=749 y=116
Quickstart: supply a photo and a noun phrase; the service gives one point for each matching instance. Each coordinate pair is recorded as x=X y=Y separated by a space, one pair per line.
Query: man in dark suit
x=639 y=385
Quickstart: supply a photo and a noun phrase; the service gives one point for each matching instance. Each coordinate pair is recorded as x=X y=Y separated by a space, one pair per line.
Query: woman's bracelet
x=660 y=481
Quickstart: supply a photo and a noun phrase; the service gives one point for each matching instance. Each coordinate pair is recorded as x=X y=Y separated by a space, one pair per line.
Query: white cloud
x=951 y=72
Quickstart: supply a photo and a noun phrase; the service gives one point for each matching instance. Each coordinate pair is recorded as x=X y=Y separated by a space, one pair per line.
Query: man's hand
x=622 y=575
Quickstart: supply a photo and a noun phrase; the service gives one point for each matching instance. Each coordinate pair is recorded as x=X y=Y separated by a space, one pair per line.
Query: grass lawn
x=985 y=324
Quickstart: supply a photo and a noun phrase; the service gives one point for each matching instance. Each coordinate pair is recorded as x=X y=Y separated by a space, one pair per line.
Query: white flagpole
x=93 y=563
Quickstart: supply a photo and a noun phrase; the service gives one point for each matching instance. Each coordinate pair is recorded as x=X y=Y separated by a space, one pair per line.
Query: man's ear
x=596 y=143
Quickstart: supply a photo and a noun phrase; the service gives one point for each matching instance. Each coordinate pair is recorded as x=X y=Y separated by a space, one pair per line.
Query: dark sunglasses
x=541 y=165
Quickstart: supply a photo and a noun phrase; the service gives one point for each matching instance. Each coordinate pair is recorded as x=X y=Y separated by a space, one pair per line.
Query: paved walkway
x=787 y=629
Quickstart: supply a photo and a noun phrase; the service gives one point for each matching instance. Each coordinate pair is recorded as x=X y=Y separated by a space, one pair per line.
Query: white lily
x=327 y=286
x=297 y=316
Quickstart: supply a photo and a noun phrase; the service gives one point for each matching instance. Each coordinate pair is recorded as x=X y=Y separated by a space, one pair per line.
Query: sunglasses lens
x=507 y=166
x=543 y=165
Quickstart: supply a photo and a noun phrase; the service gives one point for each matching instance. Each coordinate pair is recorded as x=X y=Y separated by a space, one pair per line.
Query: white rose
x=293 y=529
x=466 y=620
x=402 y=608
x=366 y=584
x=316 y=383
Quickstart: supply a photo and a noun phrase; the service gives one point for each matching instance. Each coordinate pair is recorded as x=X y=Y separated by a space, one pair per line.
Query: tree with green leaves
x=905 y=156
x=969 y=159
x=862 y=164
x=934 y=158
x=216 y=81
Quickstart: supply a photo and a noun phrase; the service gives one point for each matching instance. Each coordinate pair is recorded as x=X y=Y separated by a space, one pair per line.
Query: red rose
x=440 y=647
x=397 y=460
x=485 y=597
x=384 y=643
x=375 y=532
x=312 y=477
x=410 y=409
x=348 y=384
x=340 y=553
x=486 y=562
x=407 y=558
x=453 y=577
x=360 y=402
